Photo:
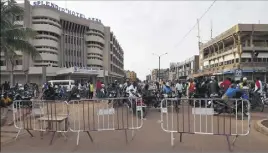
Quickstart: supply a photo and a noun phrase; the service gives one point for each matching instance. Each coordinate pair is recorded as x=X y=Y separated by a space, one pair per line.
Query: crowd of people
x=210 y=87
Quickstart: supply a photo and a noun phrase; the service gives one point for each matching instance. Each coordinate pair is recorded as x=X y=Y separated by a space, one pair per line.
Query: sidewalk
x=9 y=132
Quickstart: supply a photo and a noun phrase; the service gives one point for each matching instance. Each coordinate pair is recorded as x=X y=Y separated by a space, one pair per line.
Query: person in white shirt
x=179 y=89
x=131 y=89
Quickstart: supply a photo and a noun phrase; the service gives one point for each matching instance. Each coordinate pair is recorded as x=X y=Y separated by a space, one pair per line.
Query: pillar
x=44 y=74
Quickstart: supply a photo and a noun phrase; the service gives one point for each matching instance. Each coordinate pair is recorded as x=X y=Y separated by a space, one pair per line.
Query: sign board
x=85 y=70
x=202 y=111
x=238 y=73
x=164 y=110
x=108 y=111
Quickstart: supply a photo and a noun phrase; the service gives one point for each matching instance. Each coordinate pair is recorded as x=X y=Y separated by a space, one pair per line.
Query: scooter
x=239 y=106
x=139 y=108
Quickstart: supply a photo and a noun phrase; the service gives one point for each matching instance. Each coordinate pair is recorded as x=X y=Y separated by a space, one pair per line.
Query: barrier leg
x=77 y=139
x=17 y=134
x=233 y=142
x=172 y=139
x=52 y=138
x=90 y=137
x=180 y=137
x=30 y=133
x=132 y=134
x=229 y=144
x=41 y=134
x=126 y=136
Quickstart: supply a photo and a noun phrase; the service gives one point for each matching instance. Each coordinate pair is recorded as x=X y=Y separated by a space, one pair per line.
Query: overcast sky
x=146 y=27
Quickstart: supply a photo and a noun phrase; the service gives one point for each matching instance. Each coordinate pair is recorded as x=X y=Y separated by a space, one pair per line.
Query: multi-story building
x=164 y=74
x=131 y=75
x=244 y=47
x=70 y=47
x=184 y=69
x=148 y=78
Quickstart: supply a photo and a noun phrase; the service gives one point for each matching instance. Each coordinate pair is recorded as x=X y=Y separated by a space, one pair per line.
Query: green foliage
x=15 y=37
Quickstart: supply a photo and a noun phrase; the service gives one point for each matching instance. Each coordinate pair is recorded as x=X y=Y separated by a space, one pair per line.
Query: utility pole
x=198 y=34
x=159 y=58
x=211 y=32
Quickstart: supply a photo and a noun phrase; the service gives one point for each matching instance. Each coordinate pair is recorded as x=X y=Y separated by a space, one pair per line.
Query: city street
x=149 y=138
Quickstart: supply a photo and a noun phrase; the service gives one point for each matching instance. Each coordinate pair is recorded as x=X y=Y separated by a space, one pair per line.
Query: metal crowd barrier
x=104 y=115
x=42 y=116
x=198 y=116
x=77 y=116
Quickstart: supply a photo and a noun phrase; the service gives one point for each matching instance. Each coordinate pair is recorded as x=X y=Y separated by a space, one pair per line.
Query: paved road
x=149 y=138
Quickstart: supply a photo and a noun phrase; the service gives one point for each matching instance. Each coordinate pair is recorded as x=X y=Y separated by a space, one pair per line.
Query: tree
x=14 y=37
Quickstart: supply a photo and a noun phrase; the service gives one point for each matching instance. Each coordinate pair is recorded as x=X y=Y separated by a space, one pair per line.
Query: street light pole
x=159 y=58
x=159 y=68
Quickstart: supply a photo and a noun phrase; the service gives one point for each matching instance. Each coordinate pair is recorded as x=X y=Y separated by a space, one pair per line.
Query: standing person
x=190 y=88
x=258 y=86
x=179 y=88
x=5 y=86
x=91 y=90
x=98 y=88
x=213 y=87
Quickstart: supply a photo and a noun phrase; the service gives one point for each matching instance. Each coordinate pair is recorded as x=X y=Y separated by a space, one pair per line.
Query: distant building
x=131 y=75
x=184 y=69
x=148 y=78
x=164 y=74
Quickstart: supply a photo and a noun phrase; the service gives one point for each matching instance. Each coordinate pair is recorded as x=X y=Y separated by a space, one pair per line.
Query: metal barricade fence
x=40 y=115
x=206 y=117
x=104 y=115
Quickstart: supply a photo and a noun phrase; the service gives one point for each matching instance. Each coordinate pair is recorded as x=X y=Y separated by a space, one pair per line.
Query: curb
x=261 y=128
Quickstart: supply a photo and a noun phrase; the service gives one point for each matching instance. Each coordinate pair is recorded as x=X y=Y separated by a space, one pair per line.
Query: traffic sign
x=238 y=73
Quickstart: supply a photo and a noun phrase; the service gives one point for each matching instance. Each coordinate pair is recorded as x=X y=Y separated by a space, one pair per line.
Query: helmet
x=245 y=79
x=167 y=84
x=212 y=77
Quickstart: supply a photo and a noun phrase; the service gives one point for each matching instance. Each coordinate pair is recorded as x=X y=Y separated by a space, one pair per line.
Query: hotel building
x=70 y=47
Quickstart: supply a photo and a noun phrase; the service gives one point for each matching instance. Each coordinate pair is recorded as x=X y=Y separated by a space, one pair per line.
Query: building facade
x=164 y=74
x=244 y=46
x=70 y=47
x=185 y=69
x=131 y=75
x=148 y=78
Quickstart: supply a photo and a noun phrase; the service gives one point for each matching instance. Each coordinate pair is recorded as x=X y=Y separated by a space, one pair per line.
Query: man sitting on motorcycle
x=146 y=95
x=232 y=91
x=166 y=89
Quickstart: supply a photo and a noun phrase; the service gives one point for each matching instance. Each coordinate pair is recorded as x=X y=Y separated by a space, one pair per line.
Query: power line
x=195 y=24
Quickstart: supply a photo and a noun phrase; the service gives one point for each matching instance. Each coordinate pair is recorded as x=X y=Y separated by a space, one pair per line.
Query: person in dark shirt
x=213 y=87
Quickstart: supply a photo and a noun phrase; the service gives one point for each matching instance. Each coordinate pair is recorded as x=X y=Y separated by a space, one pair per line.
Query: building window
x=2 y=63
x=18 y=62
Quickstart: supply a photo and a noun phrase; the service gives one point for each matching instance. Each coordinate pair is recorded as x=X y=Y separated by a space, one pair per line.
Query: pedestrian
x=98 y=88
x=91 y=90
x=179 y=88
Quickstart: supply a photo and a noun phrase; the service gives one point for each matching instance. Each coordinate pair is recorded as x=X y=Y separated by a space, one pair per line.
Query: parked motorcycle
x=239 y=106
x=139 y=108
